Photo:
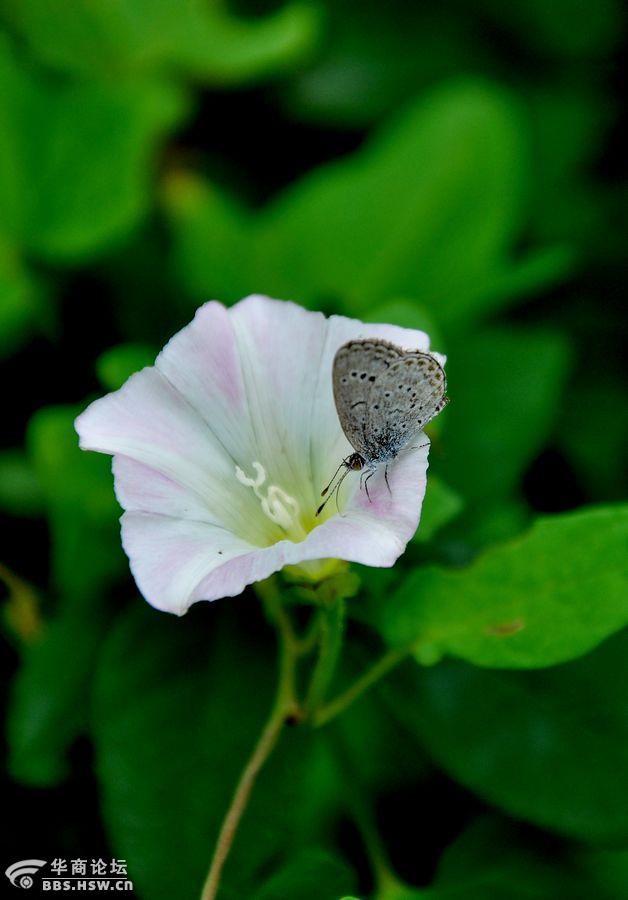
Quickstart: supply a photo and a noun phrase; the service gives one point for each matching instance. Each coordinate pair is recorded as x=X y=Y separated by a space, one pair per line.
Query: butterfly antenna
x=335 y=492
x=333 y=478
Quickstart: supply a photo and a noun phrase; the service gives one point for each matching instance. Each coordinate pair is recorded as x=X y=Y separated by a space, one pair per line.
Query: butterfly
x=384 y=397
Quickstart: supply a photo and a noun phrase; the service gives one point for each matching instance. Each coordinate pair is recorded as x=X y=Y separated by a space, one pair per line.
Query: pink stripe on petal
x=142 y=489
x=203 y=363
x=149 y=421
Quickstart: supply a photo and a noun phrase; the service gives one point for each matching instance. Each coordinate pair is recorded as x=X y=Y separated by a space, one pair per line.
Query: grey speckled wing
x=403 y=399
x=355 y=370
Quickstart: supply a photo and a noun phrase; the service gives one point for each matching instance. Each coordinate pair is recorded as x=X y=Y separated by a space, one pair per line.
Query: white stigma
x=280 y=507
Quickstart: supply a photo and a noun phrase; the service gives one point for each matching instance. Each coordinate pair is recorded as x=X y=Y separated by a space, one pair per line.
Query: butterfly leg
x=337 y=506
x=386 y=479
x=337 y=491
x=366 y=483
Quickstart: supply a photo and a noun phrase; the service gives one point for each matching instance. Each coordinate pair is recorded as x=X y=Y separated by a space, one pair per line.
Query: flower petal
x=287 y=354
x=281 y=345
x=202 y=362
x=142 y=489
x=169 y=557
x=177 y=562
x=149 y=421
x=374 y=531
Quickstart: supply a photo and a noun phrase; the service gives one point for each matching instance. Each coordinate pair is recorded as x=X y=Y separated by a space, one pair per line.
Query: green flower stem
x=285 y=709
x=308 y=641
x=331 y=630
x=389 y=661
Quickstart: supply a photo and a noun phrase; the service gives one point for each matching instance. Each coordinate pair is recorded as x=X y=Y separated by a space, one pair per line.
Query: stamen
x=280 y=507
x=255 y=483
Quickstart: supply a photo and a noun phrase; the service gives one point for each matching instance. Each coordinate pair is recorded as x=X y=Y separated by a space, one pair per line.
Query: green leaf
x=115 y=365
x=20 y=301
x=546 y=746
x=80 y=505
x=609 y=867
x=311 y=875
x=594 y=25
x=493 y=523
x=49 y=696
x=211 y=235
x=49 y=700
x=429 y=208
x=173 y=729
x=440 y=506
x=528 y=603
x=570 y=124
x=374 y=58
x=394 y=758
x=407 y=314
x=20 y=491
x=201 y=39
x=62 y=198
x=492 y=860
x=504 y=388
x=522 y=278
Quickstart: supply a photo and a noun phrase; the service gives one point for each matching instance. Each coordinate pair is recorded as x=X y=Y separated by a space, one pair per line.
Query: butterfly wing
x=403 y=399
x=357 y=366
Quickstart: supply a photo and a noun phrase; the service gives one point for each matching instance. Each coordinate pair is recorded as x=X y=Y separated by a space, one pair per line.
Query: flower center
x=277 y=505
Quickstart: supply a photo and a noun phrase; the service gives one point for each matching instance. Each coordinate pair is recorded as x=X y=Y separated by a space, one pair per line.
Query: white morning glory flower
x=221 y=449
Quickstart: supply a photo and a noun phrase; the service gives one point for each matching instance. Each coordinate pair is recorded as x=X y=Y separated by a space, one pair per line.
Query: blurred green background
x=455 y=166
